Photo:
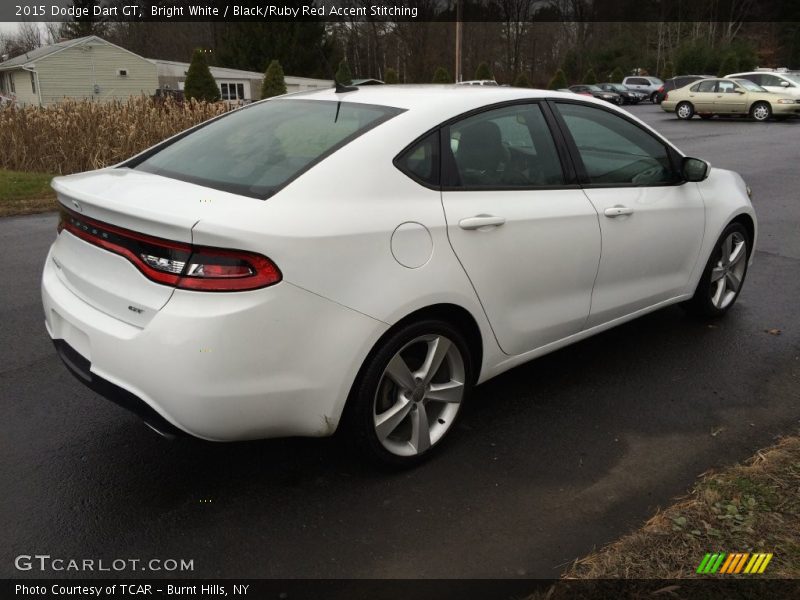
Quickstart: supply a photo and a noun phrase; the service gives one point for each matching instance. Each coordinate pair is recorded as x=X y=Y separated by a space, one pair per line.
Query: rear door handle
x=481 y=221
x=617 y=211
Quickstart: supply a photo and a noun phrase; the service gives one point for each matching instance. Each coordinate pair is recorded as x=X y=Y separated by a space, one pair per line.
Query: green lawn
x=25 y=193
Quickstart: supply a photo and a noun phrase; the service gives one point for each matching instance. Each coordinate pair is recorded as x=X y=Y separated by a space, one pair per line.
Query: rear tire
x=684 y=110
x=724 y=275
x=654 y=98
x=760 y=111
x=409 y=393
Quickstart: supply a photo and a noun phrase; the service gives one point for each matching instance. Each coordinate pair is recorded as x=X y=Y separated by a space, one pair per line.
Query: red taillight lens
x=174 y=263
x=661 y=89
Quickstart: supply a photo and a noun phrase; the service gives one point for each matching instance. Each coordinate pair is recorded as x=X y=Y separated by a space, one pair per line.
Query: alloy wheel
x=727 y=275
x=761 y=112
x=684 y=111
x=419 y=395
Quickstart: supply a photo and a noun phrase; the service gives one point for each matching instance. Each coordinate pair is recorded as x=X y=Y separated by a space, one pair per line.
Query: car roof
x=450 y=98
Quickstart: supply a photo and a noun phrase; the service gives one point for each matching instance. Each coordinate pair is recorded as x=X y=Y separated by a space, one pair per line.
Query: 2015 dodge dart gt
x=361 y=258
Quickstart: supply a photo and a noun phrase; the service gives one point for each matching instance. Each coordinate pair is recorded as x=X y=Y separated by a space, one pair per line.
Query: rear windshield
x=257 y=150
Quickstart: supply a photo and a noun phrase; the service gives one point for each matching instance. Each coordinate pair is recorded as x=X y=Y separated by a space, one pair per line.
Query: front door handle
x=617 y=211
x=481 y=222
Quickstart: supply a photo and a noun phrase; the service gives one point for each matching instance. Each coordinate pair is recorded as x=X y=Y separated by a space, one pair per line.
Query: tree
x=522 y=81
x=302 y=47
x=390 y=76
x=669 y=71
x=274 y=84
x=590 y=78
x=200 y=83
x=440 y=75
x=616 y=76
x=730 y=64
x=559 y=81
x=83 y=26
x=483 y=72
x=343 y=73
x=570 y=66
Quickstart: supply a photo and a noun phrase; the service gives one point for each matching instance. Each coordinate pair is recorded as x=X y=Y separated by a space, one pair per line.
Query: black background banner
x=404 y=10
x=718 y=587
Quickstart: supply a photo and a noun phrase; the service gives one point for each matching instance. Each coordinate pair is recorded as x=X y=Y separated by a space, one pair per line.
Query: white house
x=234 y=85
x=84 y=68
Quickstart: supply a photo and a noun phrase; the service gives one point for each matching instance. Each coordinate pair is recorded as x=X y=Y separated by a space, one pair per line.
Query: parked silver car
x=644 y=83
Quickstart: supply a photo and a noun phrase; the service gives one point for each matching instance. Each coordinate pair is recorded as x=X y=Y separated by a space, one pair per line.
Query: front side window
x=614 y=150
x=257 y=150
x=509 y=147
x=726 y=87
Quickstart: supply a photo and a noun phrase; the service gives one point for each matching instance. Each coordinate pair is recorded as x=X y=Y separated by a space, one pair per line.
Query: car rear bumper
x=274 y=362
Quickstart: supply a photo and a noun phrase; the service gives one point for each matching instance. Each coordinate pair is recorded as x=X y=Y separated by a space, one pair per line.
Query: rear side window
x=615 y=151
x=504 y=148
x=754 y=78
x=705 y=86
x=421 y=161
x=258 y=150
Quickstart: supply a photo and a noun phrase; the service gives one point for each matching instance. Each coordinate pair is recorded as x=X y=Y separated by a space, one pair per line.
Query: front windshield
x=750 y=86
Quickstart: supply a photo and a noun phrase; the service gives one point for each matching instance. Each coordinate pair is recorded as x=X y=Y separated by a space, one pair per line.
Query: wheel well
x=456 y=316
x=747 y=222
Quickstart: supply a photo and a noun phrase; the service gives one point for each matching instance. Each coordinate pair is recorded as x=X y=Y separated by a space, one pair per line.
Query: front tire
x=724 y=275
x=760 y=111
x=684 y=110
x=409 y=393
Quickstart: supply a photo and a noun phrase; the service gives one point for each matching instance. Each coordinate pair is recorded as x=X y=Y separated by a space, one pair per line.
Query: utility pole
x=458 y=41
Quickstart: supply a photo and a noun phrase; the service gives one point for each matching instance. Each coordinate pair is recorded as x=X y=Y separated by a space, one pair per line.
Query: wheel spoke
x=420 y=430
x=732 y=281
x=451 y=392
x=437 y=350
x=398 y=371
x=387 y=422
x=727 y=250
x=738 y=253
x=716 y=299
x=717 y=273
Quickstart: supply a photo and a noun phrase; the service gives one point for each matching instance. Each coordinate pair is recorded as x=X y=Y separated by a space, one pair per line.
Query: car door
x=526 y=235
x=702 y=95
x=771 y=83
x=730 y=98
x=652 y=223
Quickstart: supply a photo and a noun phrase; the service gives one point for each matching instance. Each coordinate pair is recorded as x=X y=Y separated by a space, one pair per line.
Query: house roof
x=172 y=68
x=28 y=58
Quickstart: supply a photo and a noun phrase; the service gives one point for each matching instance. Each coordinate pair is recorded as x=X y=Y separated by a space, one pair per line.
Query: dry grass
x=78 y=136
x=25 y=193
x=753 y=507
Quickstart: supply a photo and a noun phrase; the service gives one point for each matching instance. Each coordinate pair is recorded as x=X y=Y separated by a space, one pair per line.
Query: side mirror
x=739 y=91
x=694 y=169
x=784 y=84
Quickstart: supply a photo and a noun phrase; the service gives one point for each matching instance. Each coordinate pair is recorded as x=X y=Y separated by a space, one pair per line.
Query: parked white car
x=781 y=82
x=365 y=258
x=644 y=84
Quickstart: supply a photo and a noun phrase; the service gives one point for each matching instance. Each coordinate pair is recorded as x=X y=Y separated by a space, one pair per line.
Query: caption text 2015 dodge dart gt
x=363 y=257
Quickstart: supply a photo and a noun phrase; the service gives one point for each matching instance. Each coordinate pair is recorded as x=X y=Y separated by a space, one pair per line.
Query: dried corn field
x=78 y=136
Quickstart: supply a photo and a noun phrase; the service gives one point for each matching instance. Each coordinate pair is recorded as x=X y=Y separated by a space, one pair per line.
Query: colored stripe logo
x=733 y=563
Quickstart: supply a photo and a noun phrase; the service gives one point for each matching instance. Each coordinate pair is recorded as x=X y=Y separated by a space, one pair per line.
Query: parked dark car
x=675 y=84
x=595 y=91
x=628 y=96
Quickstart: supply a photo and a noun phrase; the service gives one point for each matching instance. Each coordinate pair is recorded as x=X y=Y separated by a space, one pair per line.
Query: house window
x=3 y=83
x=231 y=91
x=122 y=72
x=11 y=85
x=33 y=82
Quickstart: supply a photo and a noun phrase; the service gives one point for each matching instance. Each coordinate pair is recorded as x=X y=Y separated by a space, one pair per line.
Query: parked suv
x=676 y=83
x=778 y=80
x=642 y=83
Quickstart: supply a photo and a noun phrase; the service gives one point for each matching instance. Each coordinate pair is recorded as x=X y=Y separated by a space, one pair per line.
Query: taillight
x=176 y=264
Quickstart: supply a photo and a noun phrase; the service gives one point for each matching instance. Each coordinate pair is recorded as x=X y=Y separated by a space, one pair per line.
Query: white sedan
x=363 y=257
